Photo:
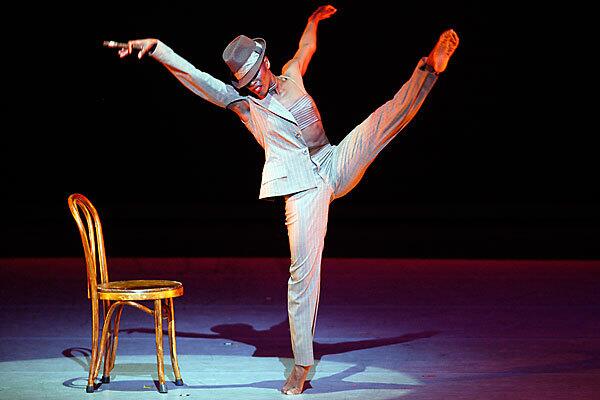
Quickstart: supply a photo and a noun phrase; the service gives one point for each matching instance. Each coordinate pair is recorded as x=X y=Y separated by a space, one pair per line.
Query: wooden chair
x=117 y=294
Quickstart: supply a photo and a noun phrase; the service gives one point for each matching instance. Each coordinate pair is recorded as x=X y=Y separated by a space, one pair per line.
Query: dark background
x=496 y=164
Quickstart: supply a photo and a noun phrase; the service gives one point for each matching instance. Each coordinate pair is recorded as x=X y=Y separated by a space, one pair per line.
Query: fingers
x=124 y=52
x=142 y=45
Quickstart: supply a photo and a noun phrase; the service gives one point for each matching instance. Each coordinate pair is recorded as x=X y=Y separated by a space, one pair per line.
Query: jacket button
x=298 y=135
x=305 y=151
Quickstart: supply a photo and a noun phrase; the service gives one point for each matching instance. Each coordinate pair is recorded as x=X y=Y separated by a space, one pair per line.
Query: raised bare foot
x=295 y=382
x=443 y=50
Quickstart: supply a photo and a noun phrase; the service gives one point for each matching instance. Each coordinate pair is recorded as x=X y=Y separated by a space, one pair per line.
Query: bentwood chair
x=114 y=295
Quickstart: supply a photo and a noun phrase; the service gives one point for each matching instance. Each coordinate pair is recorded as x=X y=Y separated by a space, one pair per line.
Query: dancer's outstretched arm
x=297 y=66
x=199 y=82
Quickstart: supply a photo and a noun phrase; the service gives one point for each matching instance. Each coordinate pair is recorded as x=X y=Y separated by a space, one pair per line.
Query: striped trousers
x=338 y=169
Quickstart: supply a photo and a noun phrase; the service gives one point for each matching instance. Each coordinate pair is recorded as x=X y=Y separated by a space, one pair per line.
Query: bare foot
x=443 y=50
x=295 y=382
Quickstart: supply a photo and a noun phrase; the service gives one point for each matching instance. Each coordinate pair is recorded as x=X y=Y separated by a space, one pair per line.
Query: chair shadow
x=87 y=354
x=120 y=369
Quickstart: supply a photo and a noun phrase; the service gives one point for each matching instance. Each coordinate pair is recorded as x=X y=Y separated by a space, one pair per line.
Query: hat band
x=243 y=70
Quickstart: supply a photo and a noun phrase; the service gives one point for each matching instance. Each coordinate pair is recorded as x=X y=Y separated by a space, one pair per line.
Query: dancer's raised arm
x=308 y=43
x=199 y=82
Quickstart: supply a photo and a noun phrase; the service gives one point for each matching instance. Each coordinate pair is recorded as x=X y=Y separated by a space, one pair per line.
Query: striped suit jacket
x=288 y=166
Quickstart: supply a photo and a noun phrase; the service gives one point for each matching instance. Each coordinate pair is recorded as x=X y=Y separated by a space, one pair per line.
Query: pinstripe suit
x=308 y=183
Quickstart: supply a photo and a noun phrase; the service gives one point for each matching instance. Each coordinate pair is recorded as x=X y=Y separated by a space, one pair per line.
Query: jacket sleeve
x=199 y=82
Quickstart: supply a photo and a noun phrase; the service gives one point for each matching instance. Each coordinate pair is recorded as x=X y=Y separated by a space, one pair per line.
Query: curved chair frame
x=115 y=295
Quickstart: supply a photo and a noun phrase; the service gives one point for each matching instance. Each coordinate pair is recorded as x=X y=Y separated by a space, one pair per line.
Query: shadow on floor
x=273 y=342
x=328 y=384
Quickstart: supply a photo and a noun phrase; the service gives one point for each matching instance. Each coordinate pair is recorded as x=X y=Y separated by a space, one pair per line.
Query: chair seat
x=140 y=290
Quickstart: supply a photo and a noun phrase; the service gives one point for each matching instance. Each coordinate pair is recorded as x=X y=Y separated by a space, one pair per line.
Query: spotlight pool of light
x=205 y=377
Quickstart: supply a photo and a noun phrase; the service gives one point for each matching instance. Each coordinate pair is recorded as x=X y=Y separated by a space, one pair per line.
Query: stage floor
x=387 y=329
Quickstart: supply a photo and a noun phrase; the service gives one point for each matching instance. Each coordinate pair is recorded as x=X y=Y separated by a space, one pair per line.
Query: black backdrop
x=494 y=165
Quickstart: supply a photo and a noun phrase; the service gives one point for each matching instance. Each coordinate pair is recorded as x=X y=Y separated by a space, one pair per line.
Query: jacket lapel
x=271 y=104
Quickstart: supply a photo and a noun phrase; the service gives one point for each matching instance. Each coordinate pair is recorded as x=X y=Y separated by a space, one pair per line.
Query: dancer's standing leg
x=306 y=216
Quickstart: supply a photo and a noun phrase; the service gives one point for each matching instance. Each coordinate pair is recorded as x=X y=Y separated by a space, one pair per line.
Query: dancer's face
x=259 y=85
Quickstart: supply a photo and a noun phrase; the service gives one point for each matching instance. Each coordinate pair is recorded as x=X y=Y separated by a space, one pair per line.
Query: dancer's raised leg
x=359 y=148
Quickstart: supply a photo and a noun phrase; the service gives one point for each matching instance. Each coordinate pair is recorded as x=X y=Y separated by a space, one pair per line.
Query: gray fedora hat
x=244 y=56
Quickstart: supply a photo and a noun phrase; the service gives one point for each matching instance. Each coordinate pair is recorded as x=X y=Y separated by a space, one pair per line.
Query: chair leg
x=107 y=353
x=109 y=346
x=95 y=332
x=173 y=344
x=162 y=387
x=103 y=342
x=116 y=337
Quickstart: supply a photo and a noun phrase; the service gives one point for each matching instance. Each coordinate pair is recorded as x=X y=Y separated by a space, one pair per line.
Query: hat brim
x=252 y=72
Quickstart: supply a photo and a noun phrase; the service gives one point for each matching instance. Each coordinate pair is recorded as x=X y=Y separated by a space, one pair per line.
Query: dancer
x=301 y=165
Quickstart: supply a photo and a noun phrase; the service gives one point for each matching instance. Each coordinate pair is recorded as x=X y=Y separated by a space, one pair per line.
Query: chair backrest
x=93 y=242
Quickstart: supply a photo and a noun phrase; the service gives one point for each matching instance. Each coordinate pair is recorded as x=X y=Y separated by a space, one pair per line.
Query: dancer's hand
x=323 y=12
x=143 y=45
